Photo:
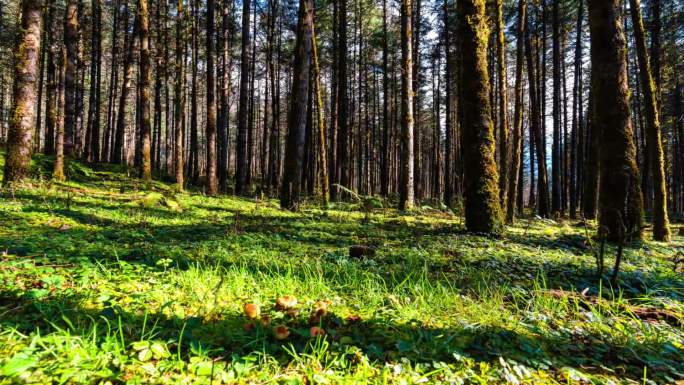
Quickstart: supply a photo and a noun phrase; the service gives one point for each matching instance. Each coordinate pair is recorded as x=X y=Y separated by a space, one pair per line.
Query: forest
x=342 y=192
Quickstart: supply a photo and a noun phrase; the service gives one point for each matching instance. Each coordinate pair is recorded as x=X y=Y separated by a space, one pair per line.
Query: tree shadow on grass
x=383 y=341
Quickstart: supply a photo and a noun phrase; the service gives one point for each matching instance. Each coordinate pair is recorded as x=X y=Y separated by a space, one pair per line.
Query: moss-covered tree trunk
x=407 y=175
x=620 y=200
x=661 y=229
x=516 y=158
x=145 y=93
x=294 y=153
x=23 y=118
x=482 y=209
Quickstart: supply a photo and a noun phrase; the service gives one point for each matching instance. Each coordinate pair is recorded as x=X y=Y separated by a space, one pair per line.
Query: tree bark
x=620 y=200
x=516 y=158
x=294 y=154
x=23 y=118
x=241 y=187
x=179 y=99
x=661 y=230
x=71 y=37
x=503 y=104
x=407 y=175
x=212 y=182
x=145 y=94
x=482 y=208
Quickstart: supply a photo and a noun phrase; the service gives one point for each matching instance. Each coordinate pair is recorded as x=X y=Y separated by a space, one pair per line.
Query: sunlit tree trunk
x=661 y=230
x=145 y=92
x=481 y=190
x=406 y=180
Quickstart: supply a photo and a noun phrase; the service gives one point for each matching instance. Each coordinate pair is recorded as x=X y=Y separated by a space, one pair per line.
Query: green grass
x=102 y=281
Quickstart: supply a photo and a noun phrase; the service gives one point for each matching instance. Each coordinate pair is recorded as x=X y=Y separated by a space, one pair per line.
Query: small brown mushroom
x=252 y=311
x=281 y=332
x=286 y=302
x=316 y=331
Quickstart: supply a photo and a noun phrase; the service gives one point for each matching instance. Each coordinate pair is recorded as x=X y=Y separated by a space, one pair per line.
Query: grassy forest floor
x=104 y=282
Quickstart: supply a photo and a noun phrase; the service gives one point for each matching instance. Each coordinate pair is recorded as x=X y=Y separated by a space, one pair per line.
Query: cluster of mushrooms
x=288 y=305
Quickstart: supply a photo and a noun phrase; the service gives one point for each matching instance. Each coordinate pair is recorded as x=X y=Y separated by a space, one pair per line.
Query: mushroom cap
x=252 y=311
x=248 y=326
x=281 y=332
x=285 y=302
x=265 y=320
x=321 y=308
x=316 y=331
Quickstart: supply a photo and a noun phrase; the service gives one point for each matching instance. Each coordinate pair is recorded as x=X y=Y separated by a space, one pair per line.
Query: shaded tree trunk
x=294 y=154
x=241 y=187
x=23 y=117
x=179 y=99
x=502 y=84
x=212 y=182
x=71 y=37
x=516 y=159
x=620 y=201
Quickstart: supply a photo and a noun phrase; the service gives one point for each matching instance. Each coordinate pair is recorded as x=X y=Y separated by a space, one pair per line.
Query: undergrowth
x=106 y=280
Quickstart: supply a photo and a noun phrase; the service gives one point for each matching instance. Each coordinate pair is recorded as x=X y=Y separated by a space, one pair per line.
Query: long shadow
x=210 y=241
x=380 y=339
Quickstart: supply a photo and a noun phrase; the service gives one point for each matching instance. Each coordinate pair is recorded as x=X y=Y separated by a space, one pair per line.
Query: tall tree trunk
x=23 y=117
x=661 y=230
x=294 y=154
x=448 y=169
x=482 y=209
x=179 y=99
x=212 y=182
x=58 y=170
x=577 y=155
x=71 y=36
x=503 y=104
x=52 y=78
x=620 y=191
x=322 y=153
x=93 y=125
x=114 y=77
x=556 y=166
x=145 y=94
x=536 y=132
x=119 y=141
x=224 y=98
x=193 y=164
x=241 y=187
x=384 y=154
x=417 y=156
x=407 y=175
x=516 y=159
